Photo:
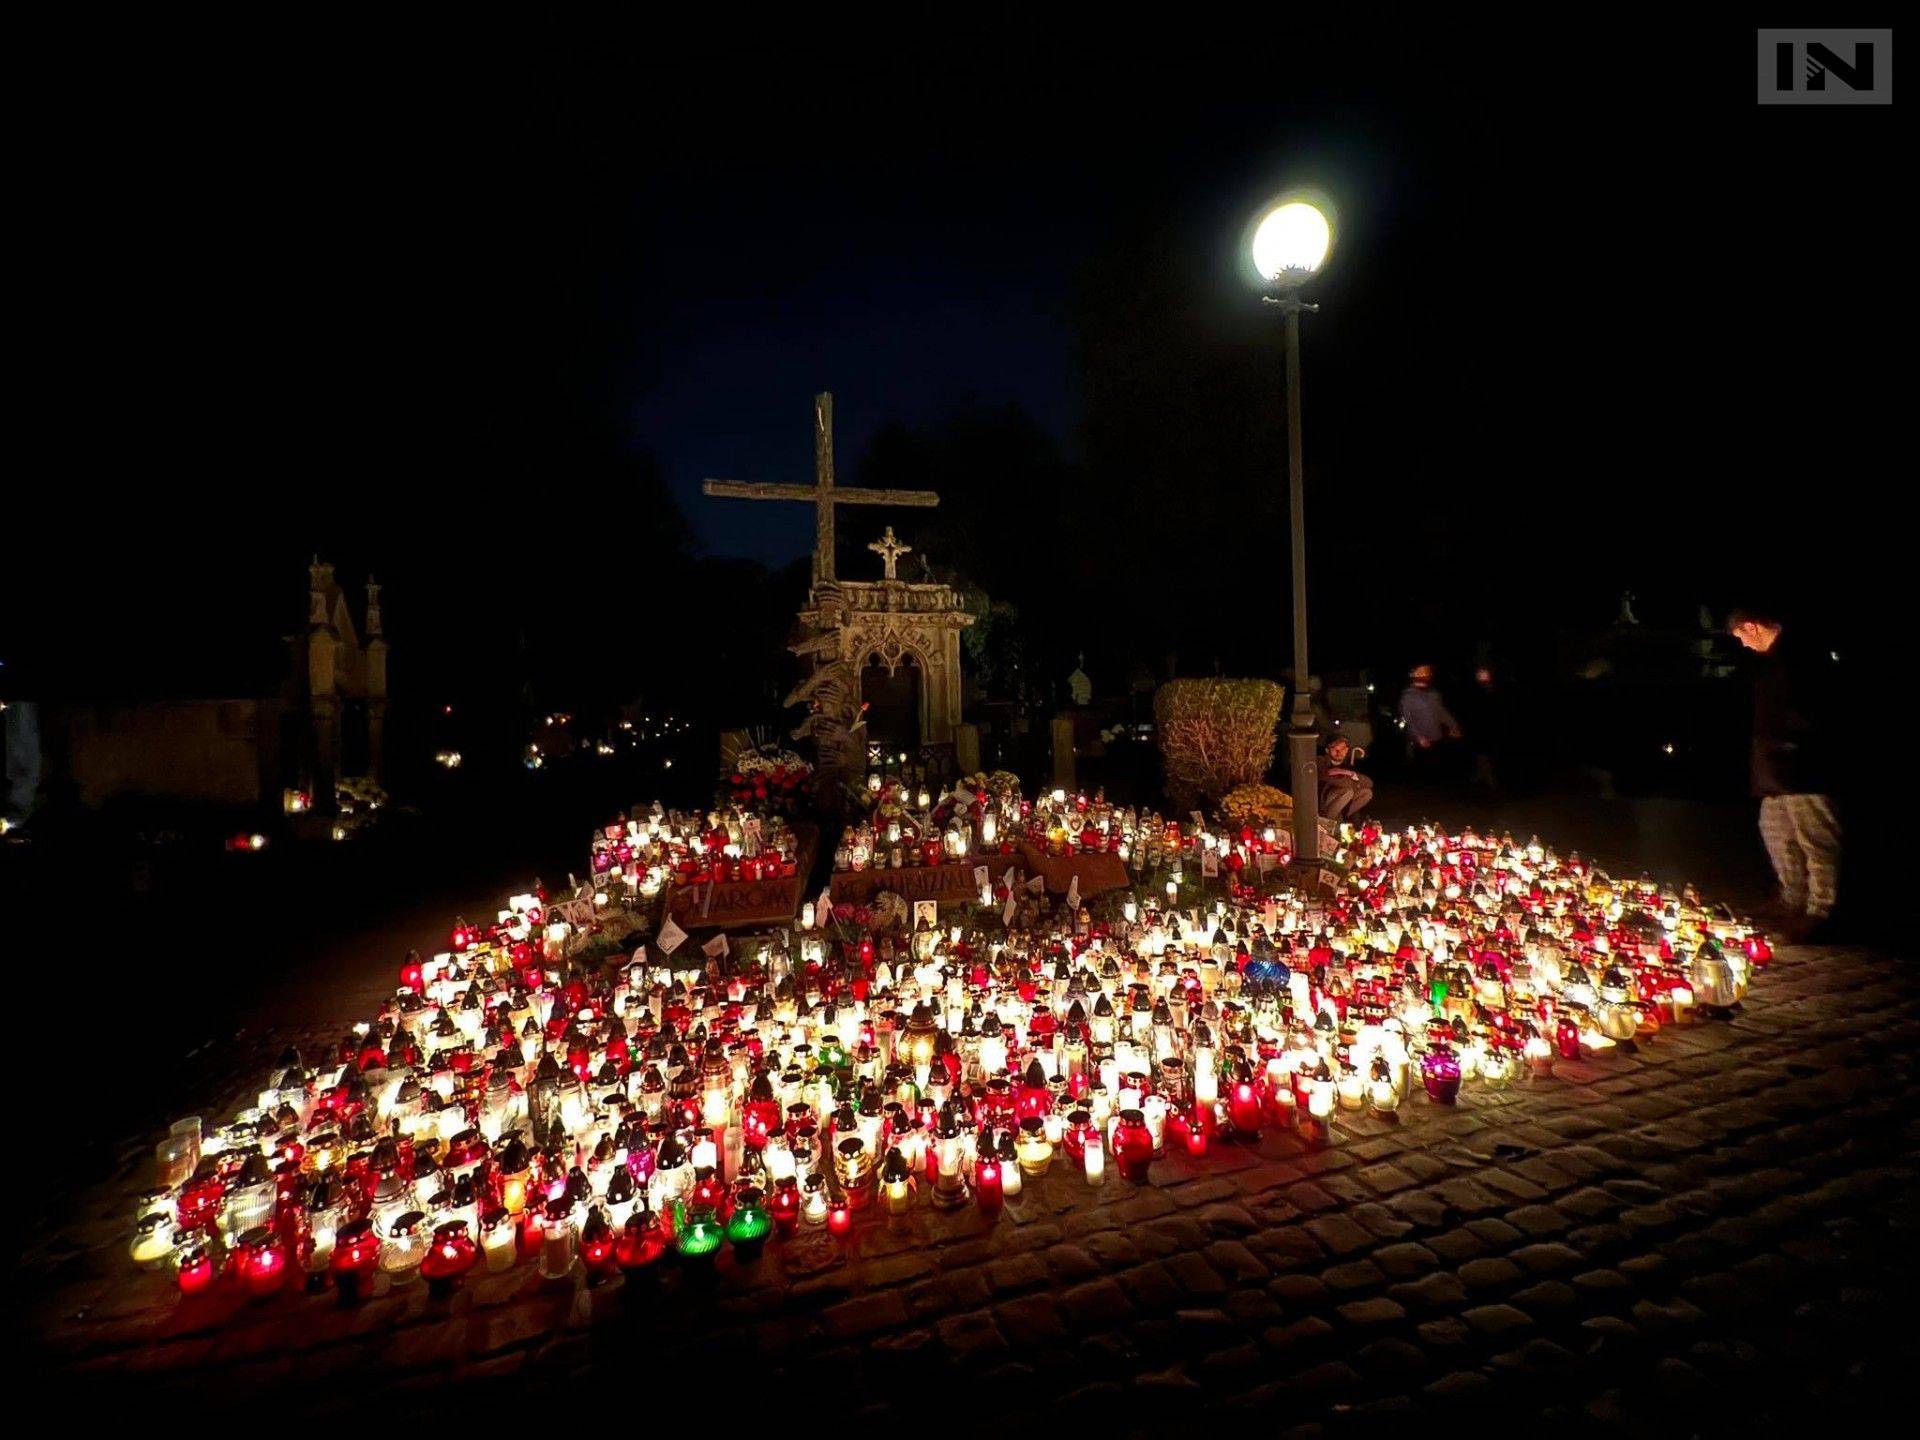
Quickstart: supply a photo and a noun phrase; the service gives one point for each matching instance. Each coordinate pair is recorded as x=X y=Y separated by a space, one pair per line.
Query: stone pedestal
x=966 y=748
x=1063 y=752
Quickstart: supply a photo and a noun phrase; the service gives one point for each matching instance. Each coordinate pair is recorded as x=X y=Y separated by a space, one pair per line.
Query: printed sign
x=735 y=903
x=942 y=884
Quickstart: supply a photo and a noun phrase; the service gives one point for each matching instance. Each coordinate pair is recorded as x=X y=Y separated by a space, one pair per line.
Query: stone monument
x=886 y=652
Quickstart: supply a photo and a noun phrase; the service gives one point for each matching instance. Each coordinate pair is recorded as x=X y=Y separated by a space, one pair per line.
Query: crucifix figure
x=823 y=492
x=889 y=550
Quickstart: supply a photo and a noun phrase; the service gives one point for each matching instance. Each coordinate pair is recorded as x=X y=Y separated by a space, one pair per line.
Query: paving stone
x=1069 y=1262
x=1112 y=1248
x=1545 y=1257
x=1392 y=1360
x=1194 y=1275
x=1384 y=1179
x=1656 y=1318
x=1450 y=1333
x=1252 y=1308
x=1495 y=1231
x=1355 y=1275
x=971 y=1337
x=1514 y=1187
x=1438 y=1291
x=1339 y=1234
x=1379 y=1221
x=1293 y=1245
x=1496 y=1320
x=1457 y=1245
x=1304 y=1334
x=1538 y=1357
x=1547 y=1297
x=1326 y=1381
x=1030 y=1320
x=1096 y=1305
x=1460 y=1387
x=1151 y=1286
x=1372 y=1312
x=1295 y=1289
x=1489 y=1273
x=1405 y=1259
x=864 y=1313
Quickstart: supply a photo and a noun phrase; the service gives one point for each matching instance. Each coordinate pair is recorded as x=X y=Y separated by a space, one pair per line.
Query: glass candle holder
x=1440 y=1074
x=498 y=1242
x=260 y=1260
x=403 y=1248
x=749 y=1225
x=450 y=1255
x=1033 y=1149
x=814 y=1203
x=556 y=1241
x=1132 y=1146
x=153 y=1237
x=174 y=1159
x=193 y=1268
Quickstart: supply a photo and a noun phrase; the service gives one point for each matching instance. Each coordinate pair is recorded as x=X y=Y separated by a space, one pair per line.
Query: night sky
x=1594 y=321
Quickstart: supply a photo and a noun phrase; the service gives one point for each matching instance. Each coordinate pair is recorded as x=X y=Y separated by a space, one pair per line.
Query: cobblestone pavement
x=1716 y=1230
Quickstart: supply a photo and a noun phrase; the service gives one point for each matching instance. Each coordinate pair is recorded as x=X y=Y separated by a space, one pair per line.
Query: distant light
x=1291 y=242
x=669 y=764
x=1668 y=747
x=256 y=842
x=1834 y=655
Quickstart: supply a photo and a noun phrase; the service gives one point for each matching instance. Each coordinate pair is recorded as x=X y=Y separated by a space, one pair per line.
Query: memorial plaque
x=1095 y=872
x=744 y=904
x=944 y=884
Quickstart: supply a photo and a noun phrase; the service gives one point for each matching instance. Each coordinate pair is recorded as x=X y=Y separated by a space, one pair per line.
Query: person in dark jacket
x=1344 y=791
x=1792 y=770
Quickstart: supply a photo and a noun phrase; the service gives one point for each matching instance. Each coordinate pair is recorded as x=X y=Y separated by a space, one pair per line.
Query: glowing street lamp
x=1290 y=245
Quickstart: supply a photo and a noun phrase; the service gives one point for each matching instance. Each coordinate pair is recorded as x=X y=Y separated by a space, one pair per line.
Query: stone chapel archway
x=895 y=700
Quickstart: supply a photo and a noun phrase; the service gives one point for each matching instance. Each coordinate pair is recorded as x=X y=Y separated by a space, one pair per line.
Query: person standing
x=1792 y=772
x=1489 y=723
x=1426 y=719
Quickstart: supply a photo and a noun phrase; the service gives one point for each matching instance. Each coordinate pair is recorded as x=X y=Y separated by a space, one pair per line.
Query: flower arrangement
x=1257 y=806
x=777 y=780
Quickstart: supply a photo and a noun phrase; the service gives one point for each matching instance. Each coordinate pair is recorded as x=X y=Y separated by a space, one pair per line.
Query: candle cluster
x=512 y=1103
x=637 y=858
x=986 y=819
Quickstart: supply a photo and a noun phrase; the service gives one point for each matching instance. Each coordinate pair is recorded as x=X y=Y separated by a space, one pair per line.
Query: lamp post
x=1290 y=245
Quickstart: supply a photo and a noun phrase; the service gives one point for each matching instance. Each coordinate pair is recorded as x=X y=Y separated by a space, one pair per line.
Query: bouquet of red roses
x=778 y=781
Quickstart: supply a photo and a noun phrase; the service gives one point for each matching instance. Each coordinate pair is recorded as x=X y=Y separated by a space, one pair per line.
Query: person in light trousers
x=1793 y=771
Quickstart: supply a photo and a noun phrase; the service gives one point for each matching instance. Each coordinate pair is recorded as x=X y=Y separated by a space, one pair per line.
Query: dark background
x=480 y=323
x=1595 y=322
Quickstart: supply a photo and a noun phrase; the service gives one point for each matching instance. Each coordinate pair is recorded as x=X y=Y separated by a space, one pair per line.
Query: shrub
x=1215 y=735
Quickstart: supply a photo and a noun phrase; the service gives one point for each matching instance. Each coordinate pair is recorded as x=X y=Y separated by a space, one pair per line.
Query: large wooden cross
x=823 y=492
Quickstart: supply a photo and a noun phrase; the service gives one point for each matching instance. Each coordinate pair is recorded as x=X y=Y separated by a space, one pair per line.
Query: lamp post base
x=1303 y=770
